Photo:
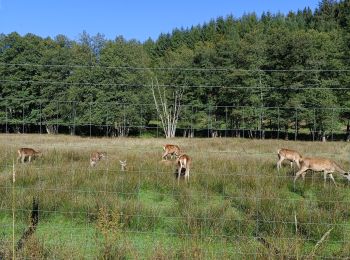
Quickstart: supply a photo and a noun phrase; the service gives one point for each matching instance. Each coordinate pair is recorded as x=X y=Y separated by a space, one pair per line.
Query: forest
x=272 y=76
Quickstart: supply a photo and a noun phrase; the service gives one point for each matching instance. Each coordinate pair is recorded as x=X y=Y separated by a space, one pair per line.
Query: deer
x=290 y=155
x=95 y=157
x=170 y=149
x=122 y=165
x=183 y=163
x=27 y=152
x=320 y=164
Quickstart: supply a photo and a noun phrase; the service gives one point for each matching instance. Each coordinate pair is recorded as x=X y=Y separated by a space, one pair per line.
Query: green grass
x=235 y=194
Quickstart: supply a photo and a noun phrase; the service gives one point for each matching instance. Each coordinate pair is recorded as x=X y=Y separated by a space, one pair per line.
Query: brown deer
x=183 y=163
x=290 y=155
x=27 y=152
x=95 y=157
x=320 y=164
x=170 y=149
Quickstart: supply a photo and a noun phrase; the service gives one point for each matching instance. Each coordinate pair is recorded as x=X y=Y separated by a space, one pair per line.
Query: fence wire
x=128 y=119
x=153 y=208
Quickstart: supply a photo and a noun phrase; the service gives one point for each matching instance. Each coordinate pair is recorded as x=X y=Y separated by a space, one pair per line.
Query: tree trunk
x=168 y=114
x=51 y=129
x=286 y=132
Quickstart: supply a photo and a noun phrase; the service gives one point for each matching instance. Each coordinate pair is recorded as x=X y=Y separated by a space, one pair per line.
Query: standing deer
x=183 y=162
x=320 y=164
x=27 y=152
x=95 y=157
x=290 y=155
x=122 y=165
x=170 y=149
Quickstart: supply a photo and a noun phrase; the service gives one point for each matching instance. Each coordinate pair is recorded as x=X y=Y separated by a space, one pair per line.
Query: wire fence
x=146 y=197
x=130 y=119
x=236 y=205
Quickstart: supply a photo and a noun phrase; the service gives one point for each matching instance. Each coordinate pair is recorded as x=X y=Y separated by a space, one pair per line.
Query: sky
x=133 y=19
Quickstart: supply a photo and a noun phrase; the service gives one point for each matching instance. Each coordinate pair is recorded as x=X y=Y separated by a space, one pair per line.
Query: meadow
x=235 y=206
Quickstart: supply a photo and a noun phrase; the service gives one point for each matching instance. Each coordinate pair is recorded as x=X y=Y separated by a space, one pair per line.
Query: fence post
x=332 y=122
x=74 y=104
x=107 y=126
x=208 y=120
x=278 y=122
x=226 y=125
x=7 y=130
x=57 y=117
x=141 y=121
x=243 y=122
x=296 y=124
x=90 y=118
x=22 y=118
x=192 y=128
x=124 y=120
x=40 y=104
x=13 y=209
x=314 y=130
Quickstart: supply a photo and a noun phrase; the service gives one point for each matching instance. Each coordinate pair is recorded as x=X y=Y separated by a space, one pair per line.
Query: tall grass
x=236 y=204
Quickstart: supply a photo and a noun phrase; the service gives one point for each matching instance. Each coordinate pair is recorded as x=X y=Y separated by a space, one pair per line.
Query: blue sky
x=130 y=18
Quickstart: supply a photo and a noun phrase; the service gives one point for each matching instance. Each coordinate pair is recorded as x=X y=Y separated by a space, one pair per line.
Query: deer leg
x=279 y=164
x=29 y=158
x=298 y=174
x=291 y=164
x=178 y=175
x=324 y=178
x=22 y=158
x=298 y=163
x=164 y=155
x=332 y=178
x=303 y=176
x=187 y=174
x=19 y=158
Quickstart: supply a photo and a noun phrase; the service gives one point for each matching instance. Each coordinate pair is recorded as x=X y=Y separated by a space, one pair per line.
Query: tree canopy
x=273 y=72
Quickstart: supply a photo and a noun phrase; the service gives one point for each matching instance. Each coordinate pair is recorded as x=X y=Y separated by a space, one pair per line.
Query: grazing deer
x=26 y=152
x=170 y=149
x=183 y=163
x=122 y=165
x=95 y=157
x=318 y=165
x=290 y=155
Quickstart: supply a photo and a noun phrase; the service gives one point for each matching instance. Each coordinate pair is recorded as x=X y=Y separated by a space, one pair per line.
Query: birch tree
x=168 y=109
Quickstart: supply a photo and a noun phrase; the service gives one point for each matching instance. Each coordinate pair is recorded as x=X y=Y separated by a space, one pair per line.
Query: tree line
x=285 y=74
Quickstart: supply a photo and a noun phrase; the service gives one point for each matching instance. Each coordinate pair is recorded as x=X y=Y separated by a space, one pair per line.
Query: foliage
x=296 y=61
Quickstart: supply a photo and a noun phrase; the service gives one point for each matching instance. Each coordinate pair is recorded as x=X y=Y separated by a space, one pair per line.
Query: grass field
x=235 y=206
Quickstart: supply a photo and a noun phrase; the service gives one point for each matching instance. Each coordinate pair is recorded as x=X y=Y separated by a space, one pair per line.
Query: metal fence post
x=226 y=124
x=22 y=118
x=296 y=124
x=209 y=121
x=332 y=123
x=243 y=122
x=192 y=128
x=57 y=117
x=7 y=130
x=278 y=122
x=107 y=124
x=40 y=104
x=90 y=118
x=314 y=129
x=141 y=121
